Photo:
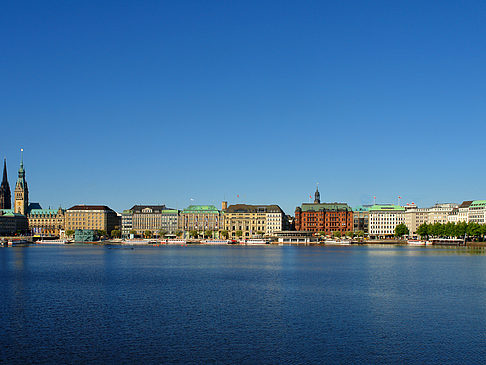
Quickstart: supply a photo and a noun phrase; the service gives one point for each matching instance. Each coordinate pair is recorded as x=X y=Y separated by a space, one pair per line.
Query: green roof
x=201 y=209
x=313 y=207
x=7 y=211
x=478 y=203
x=361 y=208
x=385 y=208
x=43 y=211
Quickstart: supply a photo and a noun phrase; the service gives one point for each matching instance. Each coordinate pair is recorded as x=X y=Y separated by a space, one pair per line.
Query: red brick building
x=324 y=217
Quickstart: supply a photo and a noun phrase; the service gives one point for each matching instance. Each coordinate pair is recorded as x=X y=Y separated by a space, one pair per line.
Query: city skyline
x=124 y=103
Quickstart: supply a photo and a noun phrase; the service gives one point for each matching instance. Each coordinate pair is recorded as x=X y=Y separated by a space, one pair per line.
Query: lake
x=218 y=304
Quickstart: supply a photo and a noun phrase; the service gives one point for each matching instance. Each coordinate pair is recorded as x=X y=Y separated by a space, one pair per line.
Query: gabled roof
x=466 y=204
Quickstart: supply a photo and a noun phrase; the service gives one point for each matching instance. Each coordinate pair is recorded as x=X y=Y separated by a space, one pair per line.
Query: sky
x=195 y=102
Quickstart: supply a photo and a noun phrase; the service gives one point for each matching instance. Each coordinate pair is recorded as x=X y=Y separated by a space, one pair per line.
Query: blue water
x=250 y=305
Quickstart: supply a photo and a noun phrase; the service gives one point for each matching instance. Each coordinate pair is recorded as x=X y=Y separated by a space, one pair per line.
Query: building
x=384 y=218
x=324 y=217
x=199 y=218
x=12 y=223
x=127 y=222
x=154 y=218
x=91 y=217
x=5 y=196
x=361 y=216
x=477 y=212
x=252 y=220
x=21 y=191
x=46 y=222
x=439 y=213
x=414 y=217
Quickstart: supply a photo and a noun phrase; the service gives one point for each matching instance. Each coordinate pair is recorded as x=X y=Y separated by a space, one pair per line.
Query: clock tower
x=21 y=190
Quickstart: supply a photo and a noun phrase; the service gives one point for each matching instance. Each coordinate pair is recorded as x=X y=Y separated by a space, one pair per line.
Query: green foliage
x=473 y=229
x=193 y=234
x=359 y=233
x=423 y=230
x=239 y=233
x=116 y=233
x=321 y=233
x=101 y=232
x=69 y=233
x=208 y=233
x=224 y=233
x=350 y=234
x=401 y=230
x=260 y=233
x=148 y=234
x=179 y=233
x=133 y=231
x=337 y=234
x=162 y=233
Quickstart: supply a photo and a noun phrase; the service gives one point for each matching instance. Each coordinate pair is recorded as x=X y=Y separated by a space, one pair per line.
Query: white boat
x=337 y=242
x=175 y=241
x=215 y=242
x=417 y=242
x=254 y=241
x=52 y=242
x=138 y=242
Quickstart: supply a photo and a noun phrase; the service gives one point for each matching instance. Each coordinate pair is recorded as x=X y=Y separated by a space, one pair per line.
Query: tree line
x=450 y=230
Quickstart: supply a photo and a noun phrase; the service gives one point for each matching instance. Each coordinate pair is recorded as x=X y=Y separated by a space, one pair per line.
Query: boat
x=417 y=242
x=337 y=242
x=215 y=242
x=138 y=242
x=51 y=242
x=174 y=241
x=18 y=242
x=254 y=241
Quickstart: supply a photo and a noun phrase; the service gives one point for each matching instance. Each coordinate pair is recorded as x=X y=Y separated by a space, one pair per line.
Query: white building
x=477 y=212
x=384 y=218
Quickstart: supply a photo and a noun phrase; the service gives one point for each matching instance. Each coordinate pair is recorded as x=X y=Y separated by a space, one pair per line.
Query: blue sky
x=121 y=103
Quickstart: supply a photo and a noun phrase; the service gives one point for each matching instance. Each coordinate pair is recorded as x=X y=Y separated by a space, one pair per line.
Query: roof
x=385 y=208
x=43 y=211
x=466 y=204
x=90 y=207
x=201 y=209
x=153 y=208
x=361 y=208
x=247 y=208
x=325 y=207
x=478 y=203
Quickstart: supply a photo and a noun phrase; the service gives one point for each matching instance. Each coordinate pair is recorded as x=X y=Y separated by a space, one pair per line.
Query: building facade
x=252 y=220
x=439 y=213
x=324 y=217
x=477 y=212
x=46 y=222
x=5 y=194
x=12 y=223
x=199 y=218
x=126 y=222
x=361 y=217
x=414 y=217
x=91 y=217
x=154 y=218
x=384 y=219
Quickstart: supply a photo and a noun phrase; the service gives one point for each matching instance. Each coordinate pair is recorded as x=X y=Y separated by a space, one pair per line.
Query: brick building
x=323 y=217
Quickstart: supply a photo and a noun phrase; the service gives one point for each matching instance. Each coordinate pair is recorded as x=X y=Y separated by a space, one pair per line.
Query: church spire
x=317 y=195
x=21 y=190
x=5 y=197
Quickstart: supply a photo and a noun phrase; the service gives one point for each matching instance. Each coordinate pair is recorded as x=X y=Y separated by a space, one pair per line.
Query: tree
x=178 y=233
x=208 y=233
x=116 y=233
x=101 y=232
x=423 y=230
x=134 y=232
x=224 y=233
x=461 y=229
x=401 y=230
x=260 y=233
x=147 y=234
x=483 y=230
x=473 y=229
x=337 y=234
x=450 y=229
x=193 y=234
x=239 y=233
x=321 y=233
x=350 y=234
x=162 y=233
x=360 y=233
x=69 y=233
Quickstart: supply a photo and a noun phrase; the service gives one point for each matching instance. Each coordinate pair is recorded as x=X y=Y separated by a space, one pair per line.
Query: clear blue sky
x=121 y=103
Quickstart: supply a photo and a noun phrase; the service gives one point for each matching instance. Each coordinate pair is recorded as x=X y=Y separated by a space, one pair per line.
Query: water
x=248 y=305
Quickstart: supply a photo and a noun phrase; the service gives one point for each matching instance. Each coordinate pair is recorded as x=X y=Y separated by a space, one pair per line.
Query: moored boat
x=215 y=242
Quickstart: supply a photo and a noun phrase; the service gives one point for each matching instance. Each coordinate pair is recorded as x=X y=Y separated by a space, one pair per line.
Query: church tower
x=317 y=196
x=5 y=197
x=21 y=191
